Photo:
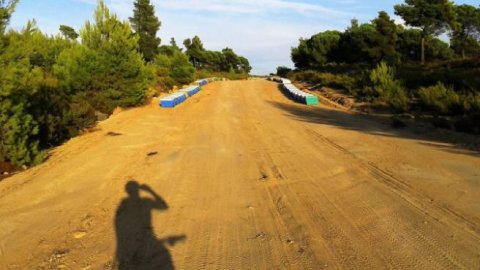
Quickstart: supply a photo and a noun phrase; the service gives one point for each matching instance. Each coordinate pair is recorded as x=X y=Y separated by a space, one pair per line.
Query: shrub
x=397 y=123
x=469 y=124
x=165 y=83
x=23 y=83
x=439 y=98
x=340 y=81
x=442 y=123
x=181 y=70
x=80 y=115
x=204 y=73
x=461 y=74
x=387 y=89
x=172 y=68
x=470 y=103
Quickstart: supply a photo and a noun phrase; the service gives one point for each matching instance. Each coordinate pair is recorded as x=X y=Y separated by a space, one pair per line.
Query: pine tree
x=6 y=10
x=21 y=81
x=195 y=51
x=68 y=32
x=173 y=43
x=146 y=25
x=433 y=17
x=385 y=40
x=118 y=73
x=466 y=33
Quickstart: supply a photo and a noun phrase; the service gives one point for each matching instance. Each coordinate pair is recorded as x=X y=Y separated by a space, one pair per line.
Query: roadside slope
x=253 y=181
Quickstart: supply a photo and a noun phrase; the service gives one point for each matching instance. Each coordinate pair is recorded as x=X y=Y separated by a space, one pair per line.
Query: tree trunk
x=423 y=51
x=463 y=54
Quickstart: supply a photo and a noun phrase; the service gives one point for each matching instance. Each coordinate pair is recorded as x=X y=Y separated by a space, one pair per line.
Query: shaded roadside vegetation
x=53 y=87
x=381 y=125
x=402 y=68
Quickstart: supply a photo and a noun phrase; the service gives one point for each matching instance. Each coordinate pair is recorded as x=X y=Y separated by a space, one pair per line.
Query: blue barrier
x=202 y=82
x=173 y=100
x=167 y=102
x=179 y=97
x=298 y=95
x=192 y=90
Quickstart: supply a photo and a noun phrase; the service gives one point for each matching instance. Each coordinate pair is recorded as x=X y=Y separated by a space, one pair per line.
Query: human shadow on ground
x=137 y=244
x=381 y=126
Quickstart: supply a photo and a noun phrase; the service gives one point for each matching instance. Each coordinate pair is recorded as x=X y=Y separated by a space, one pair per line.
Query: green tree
x=407 y=46
x=438 y=49
x=354 y=23
x=466 y=34
x=283 y=71
x=195 y=51
x=68 y=32
x=232 y=60
x=31 y=108
x=317 y=50
x=19 y=143
x=322 y=46
x=173 y=43
x=301 y=55
x=173 y=67
x=118 y=75
x=7 y=7
x=356 y=43
x=387 y=89
x=408 y=42
x=225 y=61
x=433 y=17
x=215 y=61
x=385 y=40
x=146 y=26
x=244 y=65
x=181 y=70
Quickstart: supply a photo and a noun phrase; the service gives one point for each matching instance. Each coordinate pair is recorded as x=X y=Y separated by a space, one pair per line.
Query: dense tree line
x=226 y=60
x=383 y=40
x=402 y=67
x=53 y=87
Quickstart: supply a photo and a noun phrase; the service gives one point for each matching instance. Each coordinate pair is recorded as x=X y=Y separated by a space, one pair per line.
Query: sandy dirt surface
x=240 y=177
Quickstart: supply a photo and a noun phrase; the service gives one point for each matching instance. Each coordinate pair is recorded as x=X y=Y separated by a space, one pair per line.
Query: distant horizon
x=262 y=31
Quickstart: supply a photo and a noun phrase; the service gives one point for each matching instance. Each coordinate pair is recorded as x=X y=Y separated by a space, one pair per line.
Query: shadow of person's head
x=133 y=189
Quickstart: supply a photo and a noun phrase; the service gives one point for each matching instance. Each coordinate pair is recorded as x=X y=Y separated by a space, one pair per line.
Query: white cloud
x=248 y=6
x=230 y=6
x=262 y=30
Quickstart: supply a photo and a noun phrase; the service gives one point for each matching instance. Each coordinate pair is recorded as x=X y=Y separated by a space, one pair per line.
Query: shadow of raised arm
x=158 y=202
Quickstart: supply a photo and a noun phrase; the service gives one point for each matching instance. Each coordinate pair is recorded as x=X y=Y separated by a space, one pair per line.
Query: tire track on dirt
x=443 y=249
x=339 y=255
x=404 y=190
x=435 y=213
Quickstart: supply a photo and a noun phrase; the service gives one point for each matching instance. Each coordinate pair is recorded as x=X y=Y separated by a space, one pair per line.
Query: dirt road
x=240 y=177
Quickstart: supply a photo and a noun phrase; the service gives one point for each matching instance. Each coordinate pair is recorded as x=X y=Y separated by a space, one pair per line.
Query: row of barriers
x=203 y=82
x=297 y=94
x=182 y=95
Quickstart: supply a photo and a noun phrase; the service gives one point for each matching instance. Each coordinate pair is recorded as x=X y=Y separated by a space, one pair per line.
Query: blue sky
x=262 y=30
